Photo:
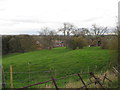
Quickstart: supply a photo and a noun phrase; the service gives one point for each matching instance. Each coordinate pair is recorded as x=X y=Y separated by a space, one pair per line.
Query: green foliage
x=76 y=42
x=27 y=42
x=14 y=45
x=18 y=43
x=63 y=61
x=5 y=44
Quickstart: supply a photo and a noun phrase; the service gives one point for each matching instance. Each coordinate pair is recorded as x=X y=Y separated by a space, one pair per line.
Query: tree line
x=73 y=38
x=17 y=43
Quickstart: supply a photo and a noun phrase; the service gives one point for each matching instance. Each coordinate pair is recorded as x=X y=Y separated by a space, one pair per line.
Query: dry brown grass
x=79 y=84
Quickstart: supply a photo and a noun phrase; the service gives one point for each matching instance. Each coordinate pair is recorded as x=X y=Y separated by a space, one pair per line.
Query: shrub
x=5 y=44
x=18 y=43
x=114 y=51
x=105 y=44
x=14 y=45
x=27 y=42
x=111 y=43
x=76 y=42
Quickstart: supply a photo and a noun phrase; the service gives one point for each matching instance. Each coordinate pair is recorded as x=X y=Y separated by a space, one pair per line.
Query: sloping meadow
x=37 y=66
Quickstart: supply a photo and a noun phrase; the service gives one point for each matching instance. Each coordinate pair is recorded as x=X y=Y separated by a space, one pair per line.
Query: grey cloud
x=22 y=20
x=33 y=21
x=2 y=9
x=7 y=23
x=25 y=20
x=91 y=19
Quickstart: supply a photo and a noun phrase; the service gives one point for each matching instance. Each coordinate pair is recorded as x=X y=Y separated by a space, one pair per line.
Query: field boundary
x=98 y=81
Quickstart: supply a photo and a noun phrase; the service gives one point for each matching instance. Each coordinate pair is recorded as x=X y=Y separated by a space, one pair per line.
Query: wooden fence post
x=97 y=81
x=82 y=80
x=53 y=80
x=11 y=77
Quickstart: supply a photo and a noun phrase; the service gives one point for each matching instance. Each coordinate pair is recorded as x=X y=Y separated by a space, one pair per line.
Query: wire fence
x=96 y=81
x=30 y=82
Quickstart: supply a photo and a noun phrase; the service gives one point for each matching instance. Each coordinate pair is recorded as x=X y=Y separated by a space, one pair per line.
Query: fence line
x=51 y=80
x=97 y=81
x=82 y=80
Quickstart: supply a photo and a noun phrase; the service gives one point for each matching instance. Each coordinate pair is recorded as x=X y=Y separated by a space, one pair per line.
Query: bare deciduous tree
x=67 y=29
x=44 y=31
x=98 y=30
x=47 y=37
x=81 y=32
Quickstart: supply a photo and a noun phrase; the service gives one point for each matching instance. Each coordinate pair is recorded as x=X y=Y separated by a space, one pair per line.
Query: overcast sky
x=29 y=16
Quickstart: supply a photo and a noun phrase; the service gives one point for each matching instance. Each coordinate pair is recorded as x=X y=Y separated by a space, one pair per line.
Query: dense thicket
x=76 y=42
x=17 y=43
x=110 y=43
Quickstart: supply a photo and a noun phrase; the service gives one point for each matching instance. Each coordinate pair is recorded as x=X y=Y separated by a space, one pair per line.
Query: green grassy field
x=60 y=61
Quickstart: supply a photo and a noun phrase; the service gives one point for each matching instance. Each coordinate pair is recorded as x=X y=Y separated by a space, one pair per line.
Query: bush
x=18 y=43
x=105 y=44
x=111 y=44
x=114 y=51
x=27 y=43
x=13 y=45
x=76 y=42
x=5 y=44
